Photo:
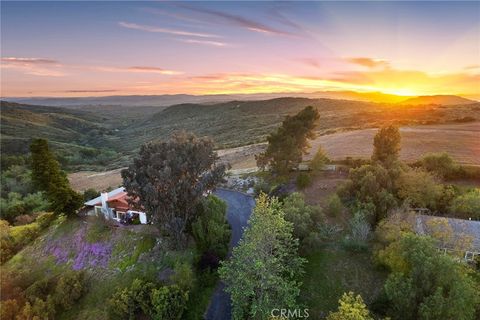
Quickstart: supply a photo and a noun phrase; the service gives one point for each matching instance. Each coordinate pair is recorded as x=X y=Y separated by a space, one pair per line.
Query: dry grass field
x=461 y=141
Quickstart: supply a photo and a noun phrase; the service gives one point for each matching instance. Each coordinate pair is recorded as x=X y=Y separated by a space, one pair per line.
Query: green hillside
x=97 y=137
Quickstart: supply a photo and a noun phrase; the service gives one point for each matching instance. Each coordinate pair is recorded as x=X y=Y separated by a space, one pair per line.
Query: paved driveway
x=239 y=209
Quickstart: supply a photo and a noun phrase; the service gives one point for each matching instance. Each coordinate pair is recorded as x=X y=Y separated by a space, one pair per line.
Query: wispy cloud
x=368 y=62
x=89 y=91
x=177 y=32
x=311 y=62
x=236 y=20
x=33 y=66
x=205 y=42
x=152 y=70
x=28 y=61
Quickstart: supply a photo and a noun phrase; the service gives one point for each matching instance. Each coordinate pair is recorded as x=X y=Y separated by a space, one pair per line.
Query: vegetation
x=351 y=307
x=449 y=293
x=287 y=145
x=211 y=229
x=263 y=271
x=48 y=177
x=169 y=179
x=386 y=145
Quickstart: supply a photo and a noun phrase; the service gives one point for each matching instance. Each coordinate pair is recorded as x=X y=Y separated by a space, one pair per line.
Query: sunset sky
x=124 y=48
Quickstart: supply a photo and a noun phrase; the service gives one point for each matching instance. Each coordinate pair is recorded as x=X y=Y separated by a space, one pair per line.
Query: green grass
x=332 y=271
x=130 y=250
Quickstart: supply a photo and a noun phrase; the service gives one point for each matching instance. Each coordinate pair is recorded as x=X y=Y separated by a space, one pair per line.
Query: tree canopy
x=169 y=178
x=429 y=285
x=287 y=145
x=47 y=176
x=263 y=272
x=386 y=144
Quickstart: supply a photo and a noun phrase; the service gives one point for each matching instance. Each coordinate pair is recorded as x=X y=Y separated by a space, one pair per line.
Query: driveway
x=239 y=209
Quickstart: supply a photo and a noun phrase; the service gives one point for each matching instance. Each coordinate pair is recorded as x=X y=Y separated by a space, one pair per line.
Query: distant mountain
x=446 y=100
x=172 y=99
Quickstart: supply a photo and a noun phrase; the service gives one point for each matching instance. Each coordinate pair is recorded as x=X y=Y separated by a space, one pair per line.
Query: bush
x=16 y=205
x=303 y=180
x=168 y=302
x=440 y=164
x=183 y=276
x=467 y=205
x=359 y=235
x=90 y=194
x=126 y=303
x=319 y=160
x=69 y=288
x=165 y=302
x=419 y=188
x=333 y=206
x=211 y=230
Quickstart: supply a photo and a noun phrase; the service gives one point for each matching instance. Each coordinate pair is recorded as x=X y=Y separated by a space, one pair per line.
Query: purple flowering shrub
x=78 y=250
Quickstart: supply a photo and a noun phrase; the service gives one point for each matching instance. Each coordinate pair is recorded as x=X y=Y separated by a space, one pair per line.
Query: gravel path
x=239 y=209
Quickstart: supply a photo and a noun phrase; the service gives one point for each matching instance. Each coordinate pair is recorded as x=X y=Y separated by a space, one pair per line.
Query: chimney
x=104 y=196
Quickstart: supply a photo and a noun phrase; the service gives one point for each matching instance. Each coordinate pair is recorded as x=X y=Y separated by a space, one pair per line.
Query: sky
x=90 y=48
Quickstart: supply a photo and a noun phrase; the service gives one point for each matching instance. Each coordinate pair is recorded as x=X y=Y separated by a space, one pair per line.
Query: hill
x=107 y=137
x=446 y=100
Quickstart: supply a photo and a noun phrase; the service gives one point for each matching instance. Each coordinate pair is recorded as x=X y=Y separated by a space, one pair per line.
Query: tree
x=47 y=176
x=350 y=307
x=371 y=188
x=169 y=178
x=319 y=160
x=386 y=145
x=467 y=205
x=440 y=164
x=211 y=229
x=419 y=188
x=302 y=216
x=429 y=285
x=287 y=145
x=263 y=272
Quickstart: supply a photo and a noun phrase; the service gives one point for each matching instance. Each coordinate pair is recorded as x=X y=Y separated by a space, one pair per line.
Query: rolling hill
x=106 y=137
x=446 y=100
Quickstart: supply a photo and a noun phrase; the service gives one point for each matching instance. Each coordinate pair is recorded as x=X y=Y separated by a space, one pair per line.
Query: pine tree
x=287 y=145
x=47 y=176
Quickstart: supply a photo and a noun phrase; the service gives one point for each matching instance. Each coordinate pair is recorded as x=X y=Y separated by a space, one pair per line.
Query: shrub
x=440 y=164
x=69 y=288
x=419 y=188
x=333 y=206
x=350 y=307
x=183 y=276
x=9 y=309
x=90 y=194
x=211 y=229
x=467 y=205
x=319 y=160
x=168 y=302
x=303 y=180
x=359 y=233
x=301 y=215
x=125 y=303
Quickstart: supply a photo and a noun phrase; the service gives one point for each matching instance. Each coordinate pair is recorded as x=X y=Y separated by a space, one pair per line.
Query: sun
x=407 y=92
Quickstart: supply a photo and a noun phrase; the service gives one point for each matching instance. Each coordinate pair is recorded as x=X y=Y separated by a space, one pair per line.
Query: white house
x=115 y=205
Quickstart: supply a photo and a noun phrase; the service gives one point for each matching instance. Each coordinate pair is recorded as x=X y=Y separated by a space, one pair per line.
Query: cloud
x=311 y=62
x=28 y=61
x=165 y=30
x=238 y=21
x=90 y=91
x=152 y=70
x=135 y=69
x=33 y=66
x=205 y=42
x=368 y=62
